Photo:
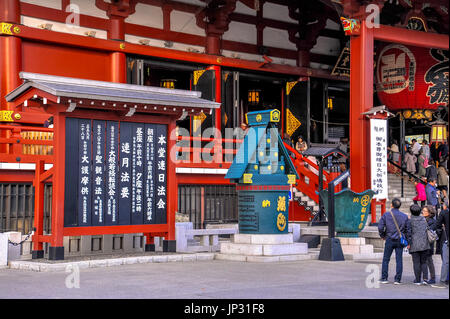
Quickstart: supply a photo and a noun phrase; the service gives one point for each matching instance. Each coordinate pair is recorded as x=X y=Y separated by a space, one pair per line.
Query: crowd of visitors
x=418 y=234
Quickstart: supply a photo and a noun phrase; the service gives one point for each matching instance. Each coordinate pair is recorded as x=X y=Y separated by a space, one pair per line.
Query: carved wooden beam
x=215 y=19
x=117 y=11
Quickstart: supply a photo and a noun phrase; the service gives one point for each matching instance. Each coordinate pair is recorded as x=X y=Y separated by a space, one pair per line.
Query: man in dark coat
x=432 y=193
x=388 y=232
x=442 y=228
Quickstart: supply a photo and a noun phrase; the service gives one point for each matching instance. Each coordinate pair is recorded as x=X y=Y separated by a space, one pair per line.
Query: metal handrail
x=417 y=178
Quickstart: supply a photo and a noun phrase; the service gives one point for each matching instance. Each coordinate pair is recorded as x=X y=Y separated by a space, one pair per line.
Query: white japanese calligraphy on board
x=378 y=158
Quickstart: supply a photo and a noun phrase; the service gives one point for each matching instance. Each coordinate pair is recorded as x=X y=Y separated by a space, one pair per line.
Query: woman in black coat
x=429 y=212
x=431 y=171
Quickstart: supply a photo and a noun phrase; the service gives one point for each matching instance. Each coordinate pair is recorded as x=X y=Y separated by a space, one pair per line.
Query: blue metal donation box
x=264 y=173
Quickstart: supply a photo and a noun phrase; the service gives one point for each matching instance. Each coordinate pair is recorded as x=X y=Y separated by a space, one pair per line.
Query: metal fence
x=17 y=207
x=207 y=204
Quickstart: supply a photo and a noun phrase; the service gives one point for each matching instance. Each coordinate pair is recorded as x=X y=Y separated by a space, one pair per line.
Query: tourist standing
x=426 y=149
x=415 y=149
x=421 y=194
x=395 y=156
x=432 y=193
x=423 y=164
x=431 y=171
x=410 y=161
x=443 y=230
x=418 y=244
x=443 y=153
x=442 y=179
x=429 y=212
x=387 y=228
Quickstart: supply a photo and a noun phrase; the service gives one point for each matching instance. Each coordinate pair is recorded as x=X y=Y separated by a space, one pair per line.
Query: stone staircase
x=305 y=201
x=409 y=192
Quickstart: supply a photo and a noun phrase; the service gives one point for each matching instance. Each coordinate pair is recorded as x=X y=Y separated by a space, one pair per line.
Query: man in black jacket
x=388 y=232
x=442 y=220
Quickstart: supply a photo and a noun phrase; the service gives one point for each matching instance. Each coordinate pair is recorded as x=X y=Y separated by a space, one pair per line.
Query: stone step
x=264 y=259
x=263 y=249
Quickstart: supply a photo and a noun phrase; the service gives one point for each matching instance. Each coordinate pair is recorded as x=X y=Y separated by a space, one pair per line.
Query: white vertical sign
x=378 y=158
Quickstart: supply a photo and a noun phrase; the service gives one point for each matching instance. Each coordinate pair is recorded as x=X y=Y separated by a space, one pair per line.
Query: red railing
x=193 y=151
x=25 y=144
x=308 y=181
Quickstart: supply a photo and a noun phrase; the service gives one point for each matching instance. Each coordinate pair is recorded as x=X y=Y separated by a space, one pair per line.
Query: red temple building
x=324 y=64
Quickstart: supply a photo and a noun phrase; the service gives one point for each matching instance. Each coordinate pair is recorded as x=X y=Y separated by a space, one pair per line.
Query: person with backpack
x=418 y=245
x=391 y=228
x=429 y=212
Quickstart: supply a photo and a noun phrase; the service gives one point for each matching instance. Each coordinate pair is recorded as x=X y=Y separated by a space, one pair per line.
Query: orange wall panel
x=65 y=61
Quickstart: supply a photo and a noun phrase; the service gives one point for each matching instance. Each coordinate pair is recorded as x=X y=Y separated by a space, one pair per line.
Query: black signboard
x=98 y=173
x=149 y=174
x=137 y=171
x=161 y=175
x=71 y=176
x=116 y=173
x=111 y=172
x=125 y=162
x=84 y=172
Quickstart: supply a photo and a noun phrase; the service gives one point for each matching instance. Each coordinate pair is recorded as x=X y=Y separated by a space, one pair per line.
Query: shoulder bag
x=432 y=235
x=403 y=241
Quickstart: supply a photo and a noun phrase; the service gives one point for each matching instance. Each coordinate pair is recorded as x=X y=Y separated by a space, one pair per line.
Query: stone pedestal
x=263 y=248
x=356 y=248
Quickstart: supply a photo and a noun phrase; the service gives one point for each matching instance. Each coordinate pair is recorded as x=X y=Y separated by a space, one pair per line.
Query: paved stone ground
x=219 y=280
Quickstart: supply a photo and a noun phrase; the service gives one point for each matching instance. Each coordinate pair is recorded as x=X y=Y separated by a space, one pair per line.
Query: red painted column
x=56 y=250
x=118 y=59
x=10 y=11
x=213 y=44
x=361 y=100
x=38 y=249
x=10 y=51
x=172 y=184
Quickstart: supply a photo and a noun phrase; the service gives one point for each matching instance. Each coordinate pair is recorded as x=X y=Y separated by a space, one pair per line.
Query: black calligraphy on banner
x=149 y=174
x=160 y=174
x=119 y=175
x=84 y=173
x=98 y=178
x=125 y=163
x=111 y=171
x=438 y=76
x=137 y=170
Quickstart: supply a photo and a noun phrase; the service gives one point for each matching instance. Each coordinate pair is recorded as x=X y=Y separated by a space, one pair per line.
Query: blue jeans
x=444 y=268
x=389 y=246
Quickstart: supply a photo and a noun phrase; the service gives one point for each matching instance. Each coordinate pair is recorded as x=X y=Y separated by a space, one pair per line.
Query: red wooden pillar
x=217 y=112
x=10 y=56
x=38 y=250
x=118 y=59
x=361 y=100
x=213 y=44
x=56 y=249
x=169 y=244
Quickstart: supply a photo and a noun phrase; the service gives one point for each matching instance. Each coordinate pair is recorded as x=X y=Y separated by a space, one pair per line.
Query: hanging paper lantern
x=412 y=77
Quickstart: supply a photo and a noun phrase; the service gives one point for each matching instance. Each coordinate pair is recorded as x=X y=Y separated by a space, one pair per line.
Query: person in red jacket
x=421 y=194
